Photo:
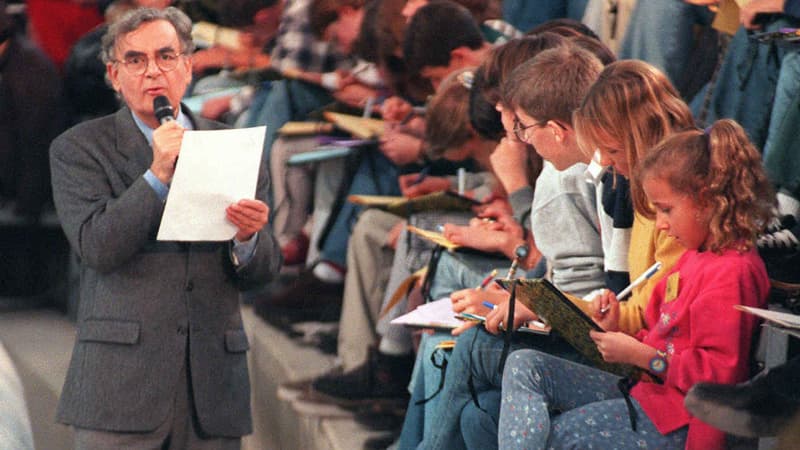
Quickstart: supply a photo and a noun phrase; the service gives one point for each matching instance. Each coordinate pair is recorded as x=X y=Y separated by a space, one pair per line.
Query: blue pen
x=489 y=304
x=422 y=174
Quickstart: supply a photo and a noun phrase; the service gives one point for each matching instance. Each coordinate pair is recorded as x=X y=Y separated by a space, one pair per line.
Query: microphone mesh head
x=162 y=109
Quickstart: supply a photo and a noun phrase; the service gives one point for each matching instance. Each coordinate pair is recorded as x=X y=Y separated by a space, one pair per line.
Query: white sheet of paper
x=215 y=169
x=781 y=318
x=436 y=314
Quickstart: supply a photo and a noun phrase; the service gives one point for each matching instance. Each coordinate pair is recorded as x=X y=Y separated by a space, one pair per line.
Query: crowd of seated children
x=399 y=153
x=626 y=209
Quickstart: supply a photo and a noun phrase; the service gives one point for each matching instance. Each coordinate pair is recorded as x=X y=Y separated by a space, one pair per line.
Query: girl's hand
x=605 y=311
x=471 y=300
x=499 y=315
x=618 y=347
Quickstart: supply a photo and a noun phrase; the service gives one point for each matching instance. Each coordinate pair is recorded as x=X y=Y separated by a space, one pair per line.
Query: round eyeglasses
x=521 y=131
x=137 y=64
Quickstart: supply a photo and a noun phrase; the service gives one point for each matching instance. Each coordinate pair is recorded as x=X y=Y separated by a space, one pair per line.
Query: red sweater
x=691 y=316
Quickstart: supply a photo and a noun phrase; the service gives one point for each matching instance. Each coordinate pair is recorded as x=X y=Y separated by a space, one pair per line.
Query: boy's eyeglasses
x=521 y=131
x=137 y=64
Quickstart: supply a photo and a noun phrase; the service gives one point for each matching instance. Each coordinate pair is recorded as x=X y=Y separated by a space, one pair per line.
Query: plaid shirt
x=296 y=47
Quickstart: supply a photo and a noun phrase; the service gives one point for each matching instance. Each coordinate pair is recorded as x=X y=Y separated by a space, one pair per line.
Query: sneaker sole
x=314 y=396
x=313 y=409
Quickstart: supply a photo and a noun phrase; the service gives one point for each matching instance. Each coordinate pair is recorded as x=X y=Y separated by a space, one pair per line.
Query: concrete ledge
x=274 y=359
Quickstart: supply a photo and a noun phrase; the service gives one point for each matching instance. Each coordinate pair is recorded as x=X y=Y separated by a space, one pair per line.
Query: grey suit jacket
x=145 y=303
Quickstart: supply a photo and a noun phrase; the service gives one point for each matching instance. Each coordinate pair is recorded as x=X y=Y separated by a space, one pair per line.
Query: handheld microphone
x=163 y=110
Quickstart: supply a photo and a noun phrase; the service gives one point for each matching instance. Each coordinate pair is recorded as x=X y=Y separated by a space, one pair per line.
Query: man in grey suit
x=160 y=355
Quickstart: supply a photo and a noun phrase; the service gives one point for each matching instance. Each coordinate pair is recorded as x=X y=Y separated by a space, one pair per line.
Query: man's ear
x=112 y=72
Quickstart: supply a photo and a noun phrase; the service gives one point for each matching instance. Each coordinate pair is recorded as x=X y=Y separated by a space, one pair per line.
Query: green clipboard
x=566 y=319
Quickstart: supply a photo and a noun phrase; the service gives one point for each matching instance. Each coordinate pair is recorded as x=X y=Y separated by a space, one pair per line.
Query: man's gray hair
x=132 y=20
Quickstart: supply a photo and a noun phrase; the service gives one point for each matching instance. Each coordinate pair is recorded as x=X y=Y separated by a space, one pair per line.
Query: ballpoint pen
x=641 y=279
x=422 y=175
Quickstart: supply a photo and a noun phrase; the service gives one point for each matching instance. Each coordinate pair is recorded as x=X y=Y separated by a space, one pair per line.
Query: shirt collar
x=594 y=171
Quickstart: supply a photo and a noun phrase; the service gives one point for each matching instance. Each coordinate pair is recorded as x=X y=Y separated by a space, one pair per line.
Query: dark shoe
x=296 y=250
x=382 y=377
x=760 y=407
x=306 y=298
x=381 y=442
x=290 y=390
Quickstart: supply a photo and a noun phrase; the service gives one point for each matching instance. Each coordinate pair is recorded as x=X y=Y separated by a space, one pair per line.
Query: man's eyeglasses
x=137 y=64
x=521 y=131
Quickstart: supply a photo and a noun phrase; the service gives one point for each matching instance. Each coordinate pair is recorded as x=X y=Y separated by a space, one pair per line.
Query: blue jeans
x=281 y=102
x=782 y=149
x=479 y=421
x=477 y=357
x=661 y=33
x=461 y=270
x=425 y=381
x=526 y=14
x=375 y=175
x=593 y=412
x=747 y=79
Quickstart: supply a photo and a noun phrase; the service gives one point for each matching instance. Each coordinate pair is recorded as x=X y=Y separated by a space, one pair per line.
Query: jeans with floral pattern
x=593 y=413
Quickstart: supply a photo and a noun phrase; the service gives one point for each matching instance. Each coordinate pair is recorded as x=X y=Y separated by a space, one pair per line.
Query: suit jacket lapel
x=132 y=147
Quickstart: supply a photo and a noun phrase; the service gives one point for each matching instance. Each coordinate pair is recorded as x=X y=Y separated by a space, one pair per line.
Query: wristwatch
x=658 y=363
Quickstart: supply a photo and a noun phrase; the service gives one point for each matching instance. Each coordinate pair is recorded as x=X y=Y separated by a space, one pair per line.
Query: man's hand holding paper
x=248 y=216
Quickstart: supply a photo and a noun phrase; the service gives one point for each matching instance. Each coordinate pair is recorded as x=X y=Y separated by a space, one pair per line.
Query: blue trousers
x=782 y=149
x=374 y=175
x=745 y=85
x=526 y=14
x=661 y=33
x=280 y=102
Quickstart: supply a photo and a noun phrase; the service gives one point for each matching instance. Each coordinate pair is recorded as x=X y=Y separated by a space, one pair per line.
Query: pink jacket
x=691 y=316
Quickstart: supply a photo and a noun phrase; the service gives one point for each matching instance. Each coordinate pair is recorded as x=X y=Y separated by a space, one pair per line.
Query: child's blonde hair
x=722 y=171
x=634 y=105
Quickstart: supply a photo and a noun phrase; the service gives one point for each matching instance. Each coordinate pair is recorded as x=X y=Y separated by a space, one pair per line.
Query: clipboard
x=556 y=310
x=404 y=207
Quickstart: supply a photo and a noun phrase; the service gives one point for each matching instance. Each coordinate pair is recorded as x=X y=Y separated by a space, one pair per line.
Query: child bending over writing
x=709 y=191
